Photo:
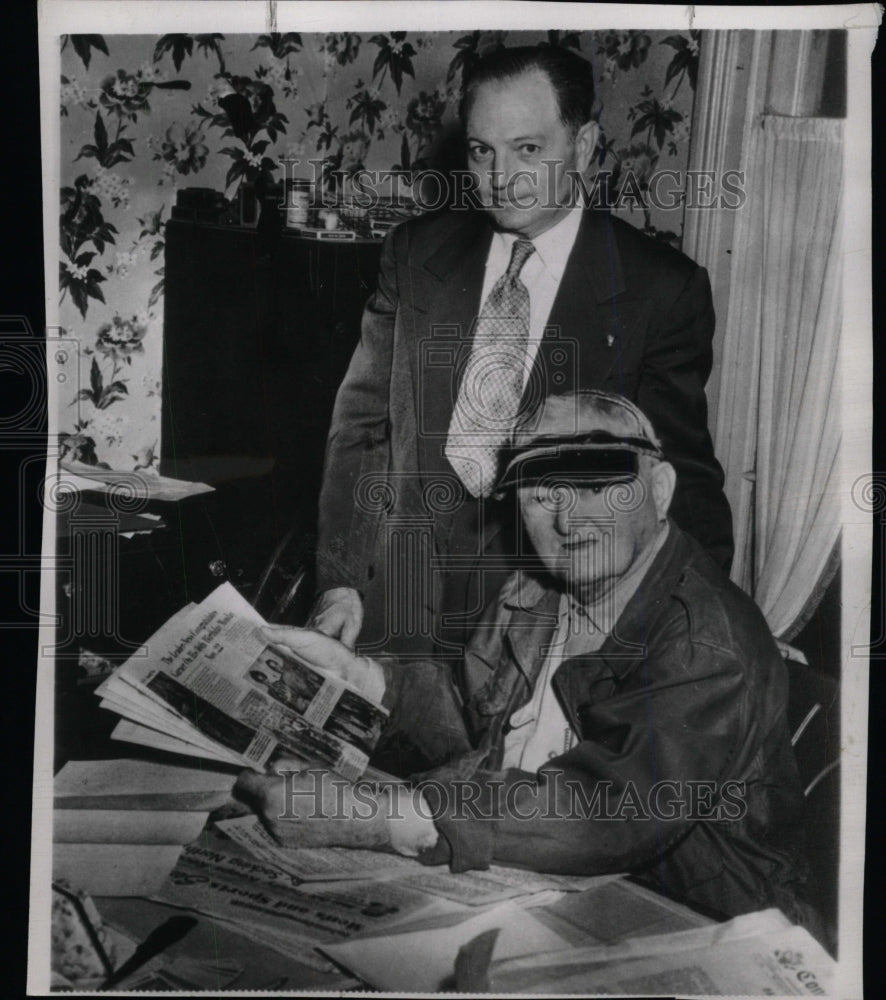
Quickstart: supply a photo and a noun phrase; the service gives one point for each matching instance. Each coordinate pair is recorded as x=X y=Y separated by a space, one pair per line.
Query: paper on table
x=496 y=884
x=615 y=909
x=376 y=897
x=164 y=974
x=331 y=864
x=81 y=782
x=284 y=942
x=423 y=960
x=77 y=476
x=309 y=864
x=757 y=954
x=222 y=882
x=165 y=971
x=126 y=826
x=752 y=924
x=114 y=869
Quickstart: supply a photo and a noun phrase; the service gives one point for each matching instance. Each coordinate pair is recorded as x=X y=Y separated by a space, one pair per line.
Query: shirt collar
x=552 y=247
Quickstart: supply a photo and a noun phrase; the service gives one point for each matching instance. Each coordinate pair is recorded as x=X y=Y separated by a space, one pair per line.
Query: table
x=611 y=912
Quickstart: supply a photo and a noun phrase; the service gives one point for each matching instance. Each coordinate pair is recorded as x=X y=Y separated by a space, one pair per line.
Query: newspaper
x=757 y=954
x=210 y=678
x=333 y=864
x=314 y=864
x=264 y=903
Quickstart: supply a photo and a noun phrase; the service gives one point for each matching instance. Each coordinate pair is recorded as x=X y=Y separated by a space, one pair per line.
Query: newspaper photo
x=462 y=412
x=209 y=675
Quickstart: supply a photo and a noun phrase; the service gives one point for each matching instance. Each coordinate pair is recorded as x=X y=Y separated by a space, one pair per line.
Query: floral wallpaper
x=145 y=115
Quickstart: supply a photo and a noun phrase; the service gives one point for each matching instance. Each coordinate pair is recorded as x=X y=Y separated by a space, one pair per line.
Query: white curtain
x=778 y=426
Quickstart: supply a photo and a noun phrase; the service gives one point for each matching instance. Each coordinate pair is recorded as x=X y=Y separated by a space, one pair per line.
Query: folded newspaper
x=756 y=954
x=209 y=684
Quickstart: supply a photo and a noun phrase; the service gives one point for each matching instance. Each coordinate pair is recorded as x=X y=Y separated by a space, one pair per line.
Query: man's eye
x=530 y=149
x=479 y=153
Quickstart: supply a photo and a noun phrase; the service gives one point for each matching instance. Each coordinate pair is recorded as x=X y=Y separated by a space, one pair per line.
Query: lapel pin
x=610 y=340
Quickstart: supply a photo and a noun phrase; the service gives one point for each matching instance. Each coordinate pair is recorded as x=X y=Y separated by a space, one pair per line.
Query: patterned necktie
x=492 y=383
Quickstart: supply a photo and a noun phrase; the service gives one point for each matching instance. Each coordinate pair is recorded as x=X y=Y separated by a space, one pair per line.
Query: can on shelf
x=298 y=203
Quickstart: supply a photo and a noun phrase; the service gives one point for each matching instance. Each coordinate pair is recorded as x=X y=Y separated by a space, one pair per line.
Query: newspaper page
x=228 y=885
x=760 y=954
x=308 y=864
x=250 y=209
x=215 y=670
x=333 y=864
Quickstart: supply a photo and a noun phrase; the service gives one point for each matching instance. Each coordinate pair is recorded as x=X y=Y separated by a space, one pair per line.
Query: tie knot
x=521 y=251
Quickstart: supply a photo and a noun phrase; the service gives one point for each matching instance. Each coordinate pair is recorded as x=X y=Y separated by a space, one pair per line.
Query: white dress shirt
x=541 y=274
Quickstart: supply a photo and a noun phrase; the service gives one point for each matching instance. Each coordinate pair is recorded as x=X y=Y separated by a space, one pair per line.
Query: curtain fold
x=779 y=413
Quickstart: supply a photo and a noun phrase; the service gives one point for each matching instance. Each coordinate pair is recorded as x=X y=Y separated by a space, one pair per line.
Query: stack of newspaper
x=209 y=684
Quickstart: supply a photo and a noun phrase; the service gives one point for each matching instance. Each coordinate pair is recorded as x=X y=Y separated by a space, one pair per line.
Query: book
x=315 y=233
x=119 y=825
x=210 y=684
x=125 y=783
x=127 y=826
x=115 y=869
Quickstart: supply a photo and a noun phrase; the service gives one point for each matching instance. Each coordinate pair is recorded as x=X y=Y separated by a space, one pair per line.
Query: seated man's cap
x=587 y=438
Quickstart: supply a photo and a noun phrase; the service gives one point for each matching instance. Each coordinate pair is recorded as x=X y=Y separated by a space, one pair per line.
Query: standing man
x=478 y=316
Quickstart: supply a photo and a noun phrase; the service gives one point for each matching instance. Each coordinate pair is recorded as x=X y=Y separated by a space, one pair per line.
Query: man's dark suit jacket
x=631 y=316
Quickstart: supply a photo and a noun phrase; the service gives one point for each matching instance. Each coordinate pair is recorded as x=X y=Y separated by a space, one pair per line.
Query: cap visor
x=579 y=467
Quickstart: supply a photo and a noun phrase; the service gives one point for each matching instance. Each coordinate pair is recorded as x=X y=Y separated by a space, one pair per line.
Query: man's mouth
x=576 y=544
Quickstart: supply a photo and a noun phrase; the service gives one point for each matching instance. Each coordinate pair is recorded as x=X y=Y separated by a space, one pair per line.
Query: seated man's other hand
x=321 y=651
x=314 y=808
x=338 y=613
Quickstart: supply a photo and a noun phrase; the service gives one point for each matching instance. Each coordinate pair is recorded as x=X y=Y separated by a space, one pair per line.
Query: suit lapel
x=453 y=280
x=591 y=320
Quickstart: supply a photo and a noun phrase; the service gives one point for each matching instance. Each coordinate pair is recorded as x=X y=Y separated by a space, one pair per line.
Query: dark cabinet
x=259 y=327
x=258 y=331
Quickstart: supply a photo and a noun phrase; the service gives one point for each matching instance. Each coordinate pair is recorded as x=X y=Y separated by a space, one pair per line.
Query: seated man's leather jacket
x=683 y=770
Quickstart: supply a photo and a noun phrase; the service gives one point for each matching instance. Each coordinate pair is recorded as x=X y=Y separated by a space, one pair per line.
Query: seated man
x=624 y=713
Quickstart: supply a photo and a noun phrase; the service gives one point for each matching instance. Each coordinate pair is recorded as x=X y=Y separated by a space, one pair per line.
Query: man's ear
x=585 y=144
x=664 y=480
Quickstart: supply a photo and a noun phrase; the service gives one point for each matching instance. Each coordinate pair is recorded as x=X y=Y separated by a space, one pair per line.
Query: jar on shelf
x=298 y=203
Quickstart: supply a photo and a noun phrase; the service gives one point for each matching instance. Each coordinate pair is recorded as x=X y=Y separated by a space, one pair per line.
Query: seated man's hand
x=338 y=613
x=315 y=808
x=321 y=651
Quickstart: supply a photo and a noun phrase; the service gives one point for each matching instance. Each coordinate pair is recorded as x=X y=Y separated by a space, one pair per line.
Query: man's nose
x=563 y=519
x=501 y=170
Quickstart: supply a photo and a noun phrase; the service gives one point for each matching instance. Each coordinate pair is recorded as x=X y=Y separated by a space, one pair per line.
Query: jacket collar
x=655 y=590
x=465 y=244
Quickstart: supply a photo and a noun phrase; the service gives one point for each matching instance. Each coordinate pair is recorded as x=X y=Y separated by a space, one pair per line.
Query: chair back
x=814 y=722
